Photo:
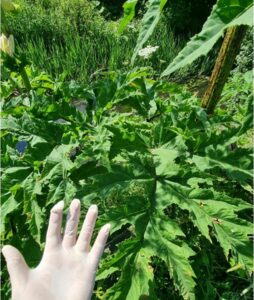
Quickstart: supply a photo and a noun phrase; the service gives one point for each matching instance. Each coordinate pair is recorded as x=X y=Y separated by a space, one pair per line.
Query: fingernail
x=4 y=249
x=75 y=203
x=7 y=249
x=94 y=207
x=107 y=228
x=59 y=205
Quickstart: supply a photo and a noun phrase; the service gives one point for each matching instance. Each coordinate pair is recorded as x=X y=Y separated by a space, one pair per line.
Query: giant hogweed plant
x=162 y=172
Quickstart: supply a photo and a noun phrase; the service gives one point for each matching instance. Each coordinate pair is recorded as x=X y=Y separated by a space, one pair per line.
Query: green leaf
x=63 y=190
x=237 y=164
x=126 y=287
x=175 y=193
x=142 y=285
x=159 y=238
x=58 y=163
x=247 y=123
x=231 y=232
x=155 y=234
x=226 y=13
x=129 y=13
x=7 y=207
x=29 y=126
x=165 y=162
x=164 y=232
x=34 y=213
x=149 y=22
x=36 y=220
x=217 y=212
x=14 y=175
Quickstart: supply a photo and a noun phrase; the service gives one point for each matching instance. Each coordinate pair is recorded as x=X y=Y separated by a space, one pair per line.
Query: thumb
x=16 y=265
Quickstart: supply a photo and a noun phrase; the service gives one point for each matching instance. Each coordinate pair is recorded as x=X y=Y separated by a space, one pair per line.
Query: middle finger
x=70 y=233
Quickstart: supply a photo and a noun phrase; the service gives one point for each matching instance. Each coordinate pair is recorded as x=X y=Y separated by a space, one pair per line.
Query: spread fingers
x=84 y=239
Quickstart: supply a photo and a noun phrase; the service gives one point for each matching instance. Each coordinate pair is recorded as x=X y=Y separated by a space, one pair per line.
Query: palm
x=68 y=267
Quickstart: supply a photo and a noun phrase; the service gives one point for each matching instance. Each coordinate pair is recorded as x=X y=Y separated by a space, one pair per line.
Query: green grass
x=79 y=42
x=79 y=57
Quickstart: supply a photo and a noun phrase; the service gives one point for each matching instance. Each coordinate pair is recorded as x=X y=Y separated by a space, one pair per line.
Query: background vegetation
x=74 y=37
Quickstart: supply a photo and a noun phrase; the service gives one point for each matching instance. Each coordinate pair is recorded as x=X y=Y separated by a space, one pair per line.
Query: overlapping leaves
x=138 y=156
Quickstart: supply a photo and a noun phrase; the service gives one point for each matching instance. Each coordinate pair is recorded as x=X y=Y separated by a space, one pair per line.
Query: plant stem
x=229 y=49
x=25 y=79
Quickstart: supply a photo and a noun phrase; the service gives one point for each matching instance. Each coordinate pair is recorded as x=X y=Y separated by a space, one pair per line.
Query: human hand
x=68 y=266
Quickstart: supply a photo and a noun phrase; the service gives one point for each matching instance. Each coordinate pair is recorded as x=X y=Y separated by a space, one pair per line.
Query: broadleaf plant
x=161 y=171
x=129 y=13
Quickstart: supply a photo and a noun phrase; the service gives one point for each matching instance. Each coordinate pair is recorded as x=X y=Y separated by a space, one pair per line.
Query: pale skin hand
x=68 y=266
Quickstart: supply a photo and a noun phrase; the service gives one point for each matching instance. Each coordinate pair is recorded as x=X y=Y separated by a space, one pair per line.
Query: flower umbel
x=146 y=52
x=7 y=44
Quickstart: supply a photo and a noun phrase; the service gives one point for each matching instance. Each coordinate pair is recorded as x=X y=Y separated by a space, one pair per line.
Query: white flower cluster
x=7 y=44
x=146 y=52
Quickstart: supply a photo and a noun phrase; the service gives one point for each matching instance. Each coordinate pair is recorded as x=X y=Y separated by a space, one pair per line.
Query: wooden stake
x=228 y=51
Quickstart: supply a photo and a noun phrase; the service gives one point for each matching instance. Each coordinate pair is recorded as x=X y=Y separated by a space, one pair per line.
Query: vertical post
x=228 y=51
